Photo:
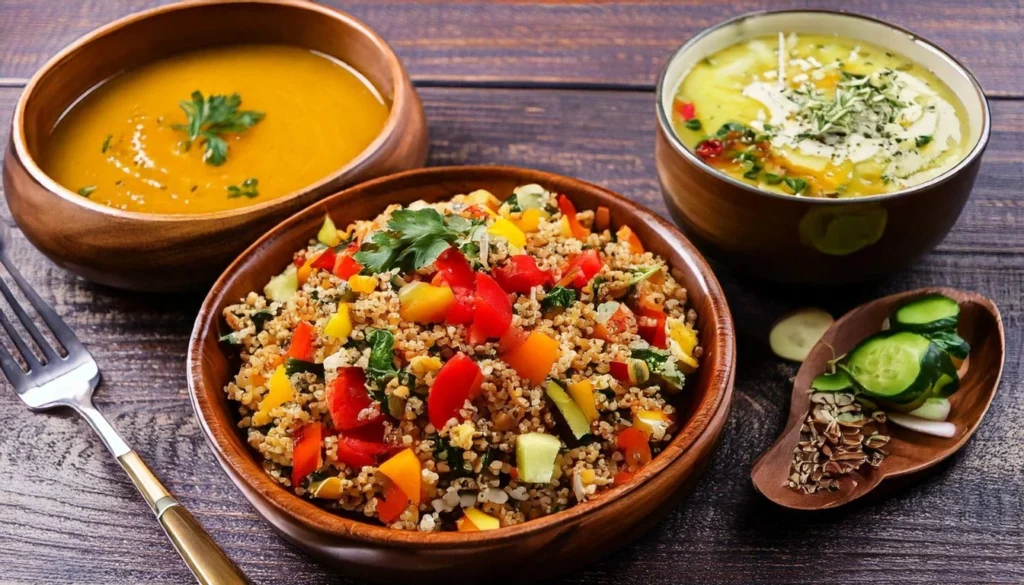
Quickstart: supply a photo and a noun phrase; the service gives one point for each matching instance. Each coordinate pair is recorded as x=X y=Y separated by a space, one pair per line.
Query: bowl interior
x=154 y=34
x=851 y=26
x=210 y=367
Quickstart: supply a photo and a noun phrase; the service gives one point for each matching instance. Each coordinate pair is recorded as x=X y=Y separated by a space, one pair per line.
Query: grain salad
x=463 y=365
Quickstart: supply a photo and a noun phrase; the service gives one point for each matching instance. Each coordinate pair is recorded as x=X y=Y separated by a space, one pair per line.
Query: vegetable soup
x=215 y=129
x=819 y=116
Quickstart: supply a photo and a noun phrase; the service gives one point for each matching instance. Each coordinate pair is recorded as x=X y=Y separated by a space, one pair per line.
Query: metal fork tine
x=11 y=367
x=60 y=330
x=23 y=348
x=26 y=322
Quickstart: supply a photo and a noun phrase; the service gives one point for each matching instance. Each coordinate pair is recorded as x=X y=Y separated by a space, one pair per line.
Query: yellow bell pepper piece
x=424 y=303
x=475 y=520
x=280 y=392
x=404 y=470
x=483 y=198
x=362 y=284
x=582 y=393
x=328 y=489
x=339 y=326
x=686 y=338
x=529 y=222
x=508 y=230
x=648 y=421
x=565 y=228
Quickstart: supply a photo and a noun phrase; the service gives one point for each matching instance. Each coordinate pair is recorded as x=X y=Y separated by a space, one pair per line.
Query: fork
x=50 y=381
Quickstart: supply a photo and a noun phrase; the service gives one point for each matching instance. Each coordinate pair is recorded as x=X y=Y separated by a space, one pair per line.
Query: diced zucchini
x=794 y=335
x=283 y=286
x=833 y=382
x=571 y=412
x=897 y=367
x=531 y=196
x=934 y=408
x=930 y=313
x=535 y=457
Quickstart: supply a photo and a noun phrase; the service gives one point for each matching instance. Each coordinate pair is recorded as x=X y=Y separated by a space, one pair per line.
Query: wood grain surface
x=593 y=43
x=68 y=514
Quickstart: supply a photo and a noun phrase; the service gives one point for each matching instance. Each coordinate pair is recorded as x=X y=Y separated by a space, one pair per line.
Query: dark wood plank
x=67 y=514
x=570 y=42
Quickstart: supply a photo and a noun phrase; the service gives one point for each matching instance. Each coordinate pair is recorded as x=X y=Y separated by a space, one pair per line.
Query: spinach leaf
x=558 y=298
x=382 y=358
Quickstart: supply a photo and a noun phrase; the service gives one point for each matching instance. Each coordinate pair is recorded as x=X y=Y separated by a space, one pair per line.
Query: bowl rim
x=665 y=124
x=308 y=514
x=395 y=69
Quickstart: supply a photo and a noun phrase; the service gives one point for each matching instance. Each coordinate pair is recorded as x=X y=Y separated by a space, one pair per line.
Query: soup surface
x=819 y=116
x=268 y=120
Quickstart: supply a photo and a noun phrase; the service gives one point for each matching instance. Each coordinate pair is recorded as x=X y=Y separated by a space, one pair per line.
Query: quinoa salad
x=463 y=365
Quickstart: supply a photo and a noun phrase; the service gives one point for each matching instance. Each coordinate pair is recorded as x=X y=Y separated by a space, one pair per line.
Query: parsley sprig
x=249 y=188
x=209 y=118
x=412 y=239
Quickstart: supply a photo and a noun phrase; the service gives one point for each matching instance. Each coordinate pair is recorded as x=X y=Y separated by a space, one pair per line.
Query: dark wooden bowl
x=529 y=551
x=153 y=252
x=778 y=237
x=910 y=452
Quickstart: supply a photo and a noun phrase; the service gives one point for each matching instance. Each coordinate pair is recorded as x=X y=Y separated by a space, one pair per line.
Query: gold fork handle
x=209 y=564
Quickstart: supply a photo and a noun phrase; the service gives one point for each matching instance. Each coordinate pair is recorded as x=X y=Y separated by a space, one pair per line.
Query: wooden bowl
x=152 y=252
x=529 y=551
x=783 y=237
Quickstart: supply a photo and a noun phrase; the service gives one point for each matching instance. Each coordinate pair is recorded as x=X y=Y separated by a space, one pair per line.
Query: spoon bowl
x=909 y=452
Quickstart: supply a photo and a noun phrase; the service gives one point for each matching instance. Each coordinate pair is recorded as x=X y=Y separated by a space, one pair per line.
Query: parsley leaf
x=772 y=179
x=87 y=190
x=558 y=297
x=797 y=185
x=413 y=239
x=922 y=140
x=106 y=143
x=209 y=118
x=654 y=359
x=693 y=124
x=248 y=189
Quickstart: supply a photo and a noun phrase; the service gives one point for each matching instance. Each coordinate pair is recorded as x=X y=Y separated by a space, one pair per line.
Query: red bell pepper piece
x=306 y=454
x=685 y=110
x=492 y=311
x=301 y=347
x=358 y=453
x=569 y=211
x=589 y=264
x=520 y=274
x=454 y=271
x=326 y=260
x=391 y=505
x=651 y=326
x=710 y=148
x=634 y=445
x=347 y=397
x=622 y=477
x=458 y=380
x=620 y=371
x=346 y=266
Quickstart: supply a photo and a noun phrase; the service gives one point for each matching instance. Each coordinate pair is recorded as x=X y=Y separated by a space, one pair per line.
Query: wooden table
x=565 y=88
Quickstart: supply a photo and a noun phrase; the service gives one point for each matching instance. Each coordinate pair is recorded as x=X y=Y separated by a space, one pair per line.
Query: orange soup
x=214 y=129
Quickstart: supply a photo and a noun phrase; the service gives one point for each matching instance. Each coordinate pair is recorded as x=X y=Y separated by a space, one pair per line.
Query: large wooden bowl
x=806 y=240
x=529 y=551
x=153 y=252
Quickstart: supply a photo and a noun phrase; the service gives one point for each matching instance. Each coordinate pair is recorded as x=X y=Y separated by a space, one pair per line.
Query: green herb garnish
x=558 y=298
x=209 y=118
x=772 y=179
x=412 y=240
x=595 y=288
x=922 y=140
x=693 y=124
x=260 y=318
x=296 y=366
x=106 y=143
x=248 y=189
x=87 y=190
x=381 y=367
x=797 y=185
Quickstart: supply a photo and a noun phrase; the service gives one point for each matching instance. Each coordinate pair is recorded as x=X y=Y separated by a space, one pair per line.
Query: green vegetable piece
x=87 y=191
x=950 y=342
x=796 y=185
x=693 y=124
x=934 y=408
x=260 y=318
x=558 y=298
x=922 y=140
x=381 y=367
x=283 y=286
x=570 y=411
x=531 y=196
x=929 y=313
x=795 y=334
x=413 y=239
x=106 y=143
x=295 y=366
x=836 y=382
x=328 y=234
x=895 y=366
x=535 y=457
x=772 y=179
x=248 y=189
x=209 y=118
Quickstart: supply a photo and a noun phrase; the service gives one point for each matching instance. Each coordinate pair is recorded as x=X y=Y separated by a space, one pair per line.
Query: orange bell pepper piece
x=301 y=347
x=633 y=444
x=533 y=358
x=392 y=504
x=569 y=211
x=626 y=235
x=404 y=470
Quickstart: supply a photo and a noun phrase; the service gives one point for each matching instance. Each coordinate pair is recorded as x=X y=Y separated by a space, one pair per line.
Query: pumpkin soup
x=214 y=129
x=819 y=116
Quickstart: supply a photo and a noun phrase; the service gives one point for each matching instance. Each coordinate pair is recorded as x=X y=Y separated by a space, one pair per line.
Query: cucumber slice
x=833 y=382
x=930 y=313
x=571 y=412
x=895 y=366
x=535 y=457
x=948 y=381
x=933 y=409
x=794 y=335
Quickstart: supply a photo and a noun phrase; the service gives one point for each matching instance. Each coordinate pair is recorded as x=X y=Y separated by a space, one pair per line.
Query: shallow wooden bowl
x=805 y=240
x=152 y=252
x=529 y=551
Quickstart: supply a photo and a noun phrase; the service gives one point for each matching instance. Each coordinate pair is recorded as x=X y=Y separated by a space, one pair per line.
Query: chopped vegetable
x=834 y=382
x=301 y=347
x=652 y=423
x=795 y=334
x=582 y=393
x=381 y=365
x=586 y=266
x=328 y=234
x=403 y=469
x=475 y=520
x=529 y=222
x=296 y=366
x=634 y=446
x=362 y=284
x=280 y=391
x=570 y=411
x=359 y=453
x=934 y=408
x=626 y=235
x=423 y=303
x=392 y=505
x=283 y=286
x=651 y=326
x=897 y=366
x=508 y=230
x=535 y=457
x=602 y=218
x=558 y=298
x=339 y=326
x=347 y=398
x=458 y=381
x=569 y=213
x=326 y=489
x=306 y=452
x=534 y=357
x=492 y=310
x=325 y=260
x=454 y=271
x=613 y=321
x=346 y=267
x=683 y=342
x=413 y=239
x=930 y=313
x=519 y=274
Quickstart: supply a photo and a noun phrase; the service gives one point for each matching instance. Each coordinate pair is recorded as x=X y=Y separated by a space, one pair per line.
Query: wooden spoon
x=909 y=451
